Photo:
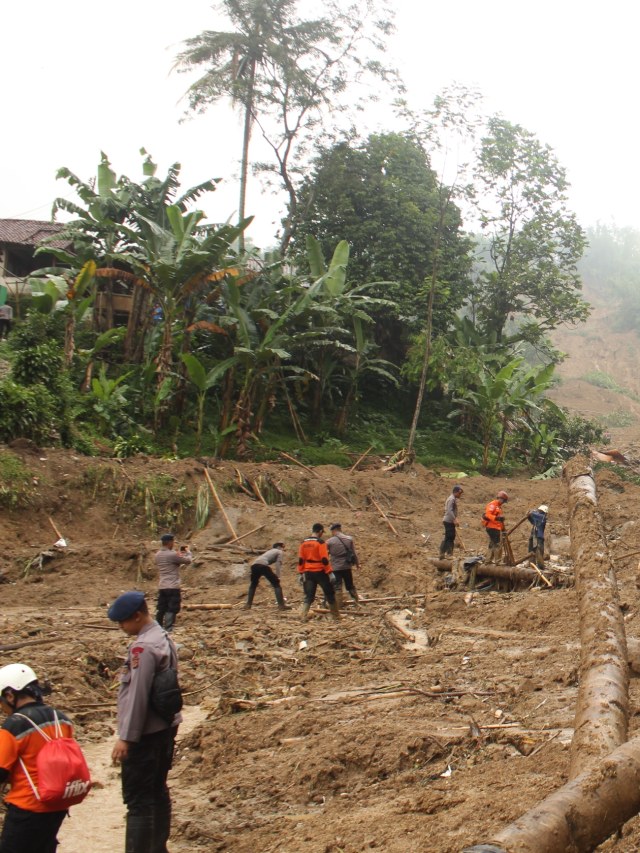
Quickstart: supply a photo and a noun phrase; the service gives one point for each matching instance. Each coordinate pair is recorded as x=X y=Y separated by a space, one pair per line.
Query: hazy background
x=78 y=79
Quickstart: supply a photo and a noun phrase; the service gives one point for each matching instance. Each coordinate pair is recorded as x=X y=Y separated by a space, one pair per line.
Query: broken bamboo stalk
x=405 y=633
x=257 y=492
x=359 y=459
x=315 y=474
x=11 y=646
x=535 y=568
x=208 y=606
x=244 y=535
x=220 y=506
x=382 y=513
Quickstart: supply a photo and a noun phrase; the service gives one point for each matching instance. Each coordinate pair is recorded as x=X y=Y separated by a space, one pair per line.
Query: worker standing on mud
x=315 y=569
x=493 y=521
x=168 y=562
x=343 y=557
x=29 y=827
x=269 y=566
x=538 y=520
x=145 y=744
x=450 y=522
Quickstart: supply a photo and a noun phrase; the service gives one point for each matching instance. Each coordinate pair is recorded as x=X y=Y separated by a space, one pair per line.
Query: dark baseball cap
x=125 y=606
x=335 y=525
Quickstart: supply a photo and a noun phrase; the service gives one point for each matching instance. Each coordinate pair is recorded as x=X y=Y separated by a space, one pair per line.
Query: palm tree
x=252 y=64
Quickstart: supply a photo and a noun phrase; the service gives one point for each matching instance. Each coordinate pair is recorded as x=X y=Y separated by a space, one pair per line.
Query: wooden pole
x=257 y=492
x=406 y=634
x=55 y=529
x=244 y=535
x=359 y=459
x=219 y=504
x=516 y=526
x=382 y=513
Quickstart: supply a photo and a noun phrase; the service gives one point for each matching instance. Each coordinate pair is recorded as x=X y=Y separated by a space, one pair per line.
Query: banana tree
x=203 y=382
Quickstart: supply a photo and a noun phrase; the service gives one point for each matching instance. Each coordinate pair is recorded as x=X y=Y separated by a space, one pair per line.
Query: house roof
x=30 y=232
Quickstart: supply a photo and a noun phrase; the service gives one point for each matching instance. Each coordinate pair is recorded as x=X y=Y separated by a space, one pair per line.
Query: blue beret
x=125 y=606
x=167 y=537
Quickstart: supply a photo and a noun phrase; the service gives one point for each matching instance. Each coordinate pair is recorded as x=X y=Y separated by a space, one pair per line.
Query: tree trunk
x=246 y=138
x=602 y=709
x=582 y=814
x=605 y=788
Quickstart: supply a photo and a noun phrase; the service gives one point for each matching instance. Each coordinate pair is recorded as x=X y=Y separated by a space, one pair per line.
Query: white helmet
x=16 y=676
x=543 y=508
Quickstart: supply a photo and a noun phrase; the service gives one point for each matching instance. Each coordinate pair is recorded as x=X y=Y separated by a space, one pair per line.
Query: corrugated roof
x=29 y=232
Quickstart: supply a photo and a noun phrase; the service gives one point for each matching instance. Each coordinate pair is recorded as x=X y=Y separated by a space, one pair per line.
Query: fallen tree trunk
x=490 y=570
x=602 y=708
x=582 y=814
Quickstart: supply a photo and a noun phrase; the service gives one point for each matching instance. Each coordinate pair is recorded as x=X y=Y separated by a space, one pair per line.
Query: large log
x=602 y=708
x=491 y=570
x=582 y=814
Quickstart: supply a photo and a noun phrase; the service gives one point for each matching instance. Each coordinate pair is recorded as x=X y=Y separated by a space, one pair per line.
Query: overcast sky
x=79 y=78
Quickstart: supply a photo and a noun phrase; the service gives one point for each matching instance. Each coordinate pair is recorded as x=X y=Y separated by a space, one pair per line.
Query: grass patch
x=15 y=481
x=619 y=418
x=604 y=380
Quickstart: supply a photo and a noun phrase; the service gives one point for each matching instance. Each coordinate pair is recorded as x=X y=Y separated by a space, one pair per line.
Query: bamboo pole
x=322 y=479
x=546 y=580
x=382 y=513
x=359 y=459
x=244 y=535
x=405 y=633
x=257 y=492
x=219 y=504
x=208 y=606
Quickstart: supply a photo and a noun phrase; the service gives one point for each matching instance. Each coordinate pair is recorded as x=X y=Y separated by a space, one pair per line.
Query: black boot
x=280 y=598
x=161 y=828
x=139 y=834
x=250 y=594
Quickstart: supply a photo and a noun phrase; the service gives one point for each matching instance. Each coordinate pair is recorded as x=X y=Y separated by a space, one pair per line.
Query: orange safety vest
x=313 y=556
x=492 y=512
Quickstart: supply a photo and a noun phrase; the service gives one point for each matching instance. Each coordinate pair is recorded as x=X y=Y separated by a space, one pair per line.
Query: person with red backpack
x=32 y=821
x=493 y=521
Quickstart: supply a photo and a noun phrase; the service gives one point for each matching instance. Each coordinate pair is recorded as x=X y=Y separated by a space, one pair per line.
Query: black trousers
x=494 y=535
x=145 y=771
x=344 y=576
x=258 y=571
x=30 y=832
x=169 y=601
x=313 y=580
x=446 y=546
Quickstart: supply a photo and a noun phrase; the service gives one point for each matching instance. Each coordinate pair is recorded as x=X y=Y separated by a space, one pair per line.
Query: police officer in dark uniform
x=145 y=742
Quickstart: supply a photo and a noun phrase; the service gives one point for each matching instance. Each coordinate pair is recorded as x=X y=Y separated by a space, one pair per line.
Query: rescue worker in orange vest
x=493 y=521
x=315 y=569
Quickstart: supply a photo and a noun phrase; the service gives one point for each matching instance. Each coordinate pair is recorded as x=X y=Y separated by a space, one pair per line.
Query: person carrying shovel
x=493 y=521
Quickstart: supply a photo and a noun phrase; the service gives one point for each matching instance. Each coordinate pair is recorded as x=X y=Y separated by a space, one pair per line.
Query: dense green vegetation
x=381 y=320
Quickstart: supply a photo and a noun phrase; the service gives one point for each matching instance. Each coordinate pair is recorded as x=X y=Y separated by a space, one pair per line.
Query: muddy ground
x=321 y=737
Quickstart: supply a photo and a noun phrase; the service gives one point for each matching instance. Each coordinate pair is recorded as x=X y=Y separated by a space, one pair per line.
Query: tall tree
x=532 y=240
x=385 y=199
x=284 y=72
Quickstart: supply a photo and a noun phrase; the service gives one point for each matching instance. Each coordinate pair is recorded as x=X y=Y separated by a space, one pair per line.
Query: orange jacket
x=313 y=556
x=493 y=517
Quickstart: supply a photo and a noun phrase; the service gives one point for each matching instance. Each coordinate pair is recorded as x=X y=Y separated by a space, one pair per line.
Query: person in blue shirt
x=538 y=520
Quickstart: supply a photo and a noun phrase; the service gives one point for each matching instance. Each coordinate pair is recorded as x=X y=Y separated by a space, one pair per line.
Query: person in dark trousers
x=538 y=520
x=343 y=557
x=315 y=569
x=262 y=568
x=145 y=744
x=168 y=562
x=493 y=521
x=29 y=826
x=450 y=522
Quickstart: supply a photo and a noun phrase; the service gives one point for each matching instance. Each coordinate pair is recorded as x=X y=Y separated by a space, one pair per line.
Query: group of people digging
x=493 y=521
x=325 y=564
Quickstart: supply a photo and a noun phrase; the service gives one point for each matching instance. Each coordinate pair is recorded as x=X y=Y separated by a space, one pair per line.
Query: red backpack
x=63 y=775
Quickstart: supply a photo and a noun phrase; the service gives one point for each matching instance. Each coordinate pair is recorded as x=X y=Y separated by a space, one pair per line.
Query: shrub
x=26 y=412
